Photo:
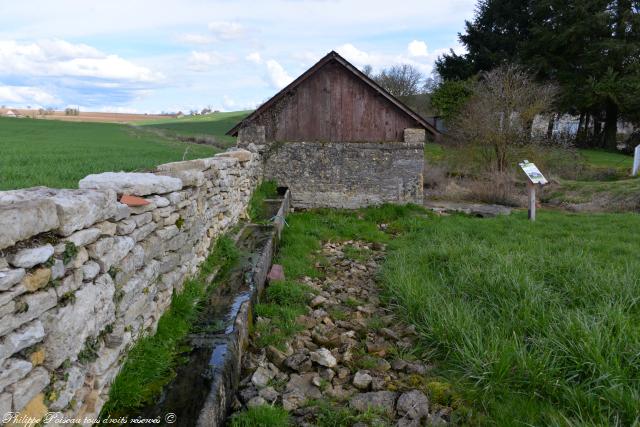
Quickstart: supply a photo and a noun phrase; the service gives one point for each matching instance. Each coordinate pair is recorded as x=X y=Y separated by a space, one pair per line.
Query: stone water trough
x=204 y=387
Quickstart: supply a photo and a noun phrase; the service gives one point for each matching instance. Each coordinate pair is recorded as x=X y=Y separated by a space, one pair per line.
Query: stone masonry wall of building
x=83 y=276
x=344 y=174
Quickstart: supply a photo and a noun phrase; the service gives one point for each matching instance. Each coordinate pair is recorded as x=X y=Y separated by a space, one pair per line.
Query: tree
x=450 y=96
x=367 y=70
x=400 y=80
x=499 y=113
x=591 y=48
x=494 y=37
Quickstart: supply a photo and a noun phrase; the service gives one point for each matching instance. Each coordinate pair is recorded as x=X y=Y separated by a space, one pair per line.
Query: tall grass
x=258 y=211
x=539 y=321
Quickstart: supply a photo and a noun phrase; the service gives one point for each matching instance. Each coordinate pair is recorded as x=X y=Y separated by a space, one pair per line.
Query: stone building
x=338 y=139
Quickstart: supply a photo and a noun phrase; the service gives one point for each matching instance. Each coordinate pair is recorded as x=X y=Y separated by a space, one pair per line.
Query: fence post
x=636 y=161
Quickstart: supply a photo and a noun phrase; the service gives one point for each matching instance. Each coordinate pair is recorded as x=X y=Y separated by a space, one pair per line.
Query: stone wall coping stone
x=241 y=155
x=197 y=164
x=132 y=183
x=22 y=219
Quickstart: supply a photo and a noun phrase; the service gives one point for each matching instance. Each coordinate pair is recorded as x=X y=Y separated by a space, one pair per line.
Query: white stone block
x=12 y=370
x=21 y=219
x=8 y=278
x=21 y=338
x=84 y=237
x=27 y=258
x=27 y=388
x=133 y=183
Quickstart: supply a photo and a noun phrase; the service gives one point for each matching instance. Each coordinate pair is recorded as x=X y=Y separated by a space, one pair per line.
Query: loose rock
x=324 y=357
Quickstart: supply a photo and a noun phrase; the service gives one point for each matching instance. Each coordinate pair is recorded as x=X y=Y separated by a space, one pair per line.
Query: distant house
x=10 y=113
x=338 y=139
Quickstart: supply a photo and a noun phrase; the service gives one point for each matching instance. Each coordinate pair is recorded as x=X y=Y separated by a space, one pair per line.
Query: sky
x=152 y=56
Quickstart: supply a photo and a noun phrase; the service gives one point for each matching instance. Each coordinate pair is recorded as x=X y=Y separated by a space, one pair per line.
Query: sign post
x=535 y=177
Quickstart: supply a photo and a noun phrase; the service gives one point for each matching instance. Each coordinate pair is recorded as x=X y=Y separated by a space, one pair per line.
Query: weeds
x=90 y=351
x=70 y=252
x=263 y=416
x=258 y=211
x=283 y=302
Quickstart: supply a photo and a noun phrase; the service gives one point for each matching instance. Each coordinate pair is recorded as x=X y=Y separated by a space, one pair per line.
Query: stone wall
x=343 y=174
x=83 y=276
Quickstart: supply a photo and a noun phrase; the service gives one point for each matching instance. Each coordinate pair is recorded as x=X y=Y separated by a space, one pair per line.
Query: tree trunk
x=611 y=126
x=581 y=122
x=587 y=122
x=550 y=126
x=597 y=130
x=586 y=132
x=528 y=126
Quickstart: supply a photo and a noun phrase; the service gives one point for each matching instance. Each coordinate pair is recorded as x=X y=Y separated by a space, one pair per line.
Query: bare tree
x=367 y=70
x=500 y=112
x=400 y=80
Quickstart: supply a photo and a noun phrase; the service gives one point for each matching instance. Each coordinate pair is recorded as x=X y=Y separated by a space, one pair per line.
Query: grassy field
x=538 y=322
x=607 y=159
x=57 y=154
x=530 y=323
x=216 y=125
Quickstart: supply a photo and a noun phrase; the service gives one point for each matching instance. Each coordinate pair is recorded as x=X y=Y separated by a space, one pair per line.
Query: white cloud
x=254 y=57
x=191 y=38
x=228 y=103
x=417 y=48
x=278 y=76
x=357 y=56
x=224 y=30
x=23 y=95
x=378 y=60
x=204 y=61
x=63 y=59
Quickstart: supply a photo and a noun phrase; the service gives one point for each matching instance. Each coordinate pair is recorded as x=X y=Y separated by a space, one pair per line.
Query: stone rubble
x=348 y=355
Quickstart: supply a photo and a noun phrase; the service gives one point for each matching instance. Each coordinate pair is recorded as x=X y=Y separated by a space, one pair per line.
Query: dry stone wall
x=83 y=276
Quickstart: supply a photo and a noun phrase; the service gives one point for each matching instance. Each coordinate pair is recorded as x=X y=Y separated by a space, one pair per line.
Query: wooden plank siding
x=334 y=105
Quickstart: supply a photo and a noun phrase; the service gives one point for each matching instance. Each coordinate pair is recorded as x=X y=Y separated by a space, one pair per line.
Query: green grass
x=58 y=154
x=606 y=159
x=151 y=363
x=258 y=211
x=433 y=152
x=215 y=124
x=282 y=303
x=261 y=416
x=537 y=321
x=335 y=416
x=531 y=323
x=620 y=195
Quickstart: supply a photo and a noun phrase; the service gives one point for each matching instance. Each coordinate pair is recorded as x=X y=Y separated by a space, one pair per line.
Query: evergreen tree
x=591 y=48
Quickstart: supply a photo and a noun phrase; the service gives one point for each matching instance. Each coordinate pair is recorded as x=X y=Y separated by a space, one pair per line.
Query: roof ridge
x=333 y=55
